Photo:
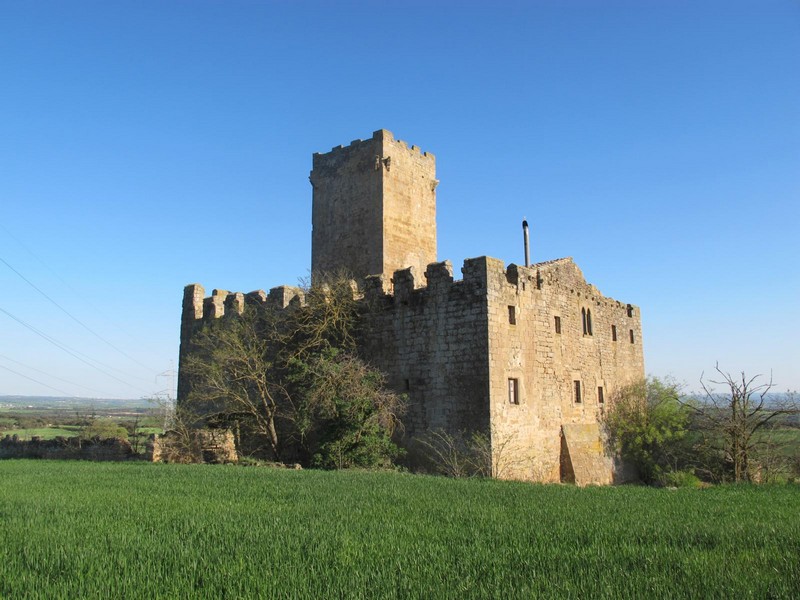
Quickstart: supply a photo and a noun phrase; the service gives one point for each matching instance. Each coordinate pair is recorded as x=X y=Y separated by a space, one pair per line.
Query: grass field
x=135 y=530
x=46 y=433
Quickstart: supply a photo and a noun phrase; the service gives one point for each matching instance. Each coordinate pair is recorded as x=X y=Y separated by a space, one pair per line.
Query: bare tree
x=232 y=369
x=290 y=378
x=736 y=423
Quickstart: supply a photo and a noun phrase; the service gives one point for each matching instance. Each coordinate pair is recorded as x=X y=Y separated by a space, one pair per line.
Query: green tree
x=646 y=424
x=103 y=428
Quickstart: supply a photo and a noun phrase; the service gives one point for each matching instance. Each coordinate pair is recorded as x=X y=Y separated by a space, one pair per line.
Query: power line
x=39 y=382
x=4 y=357
x=56 y=274
x=73 y=317
x=71 y=352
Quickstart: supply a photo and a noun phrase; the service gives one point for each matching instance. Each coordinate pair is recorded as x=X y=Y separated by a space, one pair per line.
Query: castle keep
x=529 y=355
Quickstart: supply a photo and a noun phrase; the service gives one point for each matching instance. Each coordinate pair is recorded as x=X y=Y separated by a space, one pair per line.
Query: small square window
x=558 y=324
x=577 y=385
x=512 y=315
x=513 y=391
x=600 y=398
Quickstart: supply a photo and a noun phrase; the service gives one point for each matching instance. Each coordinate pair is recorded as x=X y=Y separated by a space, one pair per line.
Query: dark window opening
x=407 y=385
x=583 y=318
x=513 y=391
x=631 y=332
x=558 y=324
x=630 y=310
x=600 y=398
x=577 y=391
x=588 y=321
x=613 y=333
x=512 y=315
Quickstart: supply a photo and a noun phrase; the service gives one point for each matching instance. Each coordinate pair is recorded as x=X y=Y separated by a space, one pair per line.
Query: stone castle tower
x=374 y=208
x=527 y=355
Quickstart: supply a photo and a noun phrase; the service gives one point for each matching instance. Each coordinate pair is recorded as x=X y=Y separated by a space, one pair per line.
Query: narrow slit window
x=512 y=315
x=577 y=386
x=588 y=321
x=558 y=324
x=613 y=333
x=632 y=339
x=513 y=391
x=407 y=384
x=583 y=318
x=600 y=398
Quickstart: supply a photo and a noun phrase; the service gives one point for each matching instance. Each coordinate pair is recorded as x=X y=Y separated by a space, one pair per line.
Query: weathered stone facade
x=528 y=355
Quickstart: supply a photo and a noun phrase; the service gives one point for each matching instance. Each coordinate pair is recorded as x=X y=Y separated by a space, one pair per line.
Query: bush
x=679 y=479
x=646 y=424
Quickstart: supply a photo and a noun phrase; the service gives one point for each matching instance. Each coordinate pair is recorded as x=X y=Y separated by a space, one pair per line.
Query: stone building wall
x=546 y=363
x=452 y=346
x=374 y=208
x=431 y=343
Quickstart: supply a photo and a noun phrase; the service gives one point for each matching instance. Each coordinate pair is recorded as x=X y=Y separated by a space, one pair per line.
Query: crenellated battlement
x=381 y=135
x=436 y=281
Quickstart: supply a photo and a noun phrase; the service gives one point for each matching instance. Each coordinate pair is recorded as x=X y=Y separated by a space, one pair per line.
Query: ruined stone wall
x=374 y=208
x=546 y=364
x=200 y=445
x=431 y=342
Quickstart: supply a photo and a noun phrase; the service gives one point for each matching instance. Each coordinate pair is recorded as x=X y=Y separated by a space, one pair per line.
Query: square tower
x=374 y=208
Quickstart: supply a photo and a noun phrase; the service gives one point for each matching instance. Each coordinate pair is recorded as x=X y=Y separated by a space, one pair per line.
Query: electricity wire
x=73 y=317
x=39 y=382
x=55 y=273
x=71 y=352
x=8 y=358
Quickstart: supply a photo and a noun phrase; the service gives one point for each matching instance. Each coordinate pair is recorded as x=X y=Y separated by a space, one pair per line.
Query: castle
x=528 y=354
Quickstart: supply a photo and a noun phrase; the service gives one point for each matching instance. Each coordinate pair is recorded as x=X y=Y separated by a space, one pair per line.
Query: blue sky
x=148 y=145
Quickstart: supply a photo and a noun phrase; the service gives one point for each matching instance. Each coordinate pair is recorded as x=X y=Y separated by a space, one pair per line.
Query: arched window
x=588 y=321
x=583 y=318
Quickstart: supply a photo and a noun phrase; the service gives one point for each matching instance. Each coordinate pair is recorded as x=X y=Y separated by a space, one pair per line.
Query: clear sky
x=146 y=145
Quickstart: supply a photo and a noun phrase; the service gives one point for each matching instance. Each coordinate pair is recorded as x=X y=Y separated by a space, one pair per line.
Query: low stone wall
x=194 y=446
x=74 y=448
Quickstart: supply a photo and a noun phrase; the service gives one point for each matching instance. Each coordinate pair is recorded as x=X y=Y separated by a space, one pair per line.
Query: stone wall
x=199 y=445
x=66 y=448
x=546 y=358
x=431 y=342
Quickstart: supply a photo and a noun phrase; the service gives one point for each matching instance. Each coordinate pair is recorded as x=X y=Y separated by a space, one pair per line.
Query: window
x=600 y=398
x=630 y=310
x=558 y=324
x=577 y=384
x=407 y=385
x=589 y=321
x=512 y=315
x=513 y=391
x=631 y=332
x=583 y=318
x=613 y=333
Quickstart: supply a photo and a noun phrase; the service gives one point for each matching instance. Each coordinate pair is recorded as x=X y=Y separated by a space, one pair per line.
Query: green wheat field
x=137 y=530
